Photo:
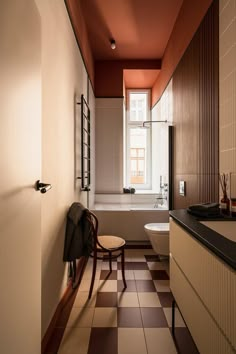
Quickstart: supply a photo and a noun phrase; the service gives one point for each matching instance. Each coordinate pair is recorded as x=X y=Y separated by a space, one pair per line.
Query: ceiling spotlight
x=113 y=44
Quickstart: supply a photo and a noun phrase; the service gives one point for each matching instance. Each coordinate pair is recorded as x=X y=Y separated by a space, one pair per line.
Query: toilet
x=158 y=234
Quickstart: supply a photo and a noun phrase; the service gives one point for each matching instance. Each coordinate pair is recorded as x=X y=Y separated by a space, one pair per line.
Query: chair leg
x=110 y=263
x=123 y=267
x=93 y=274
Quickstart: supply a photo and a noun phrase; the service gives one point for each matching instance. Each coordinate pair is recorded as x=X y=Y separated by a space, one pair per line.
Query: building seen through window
x=138 y=147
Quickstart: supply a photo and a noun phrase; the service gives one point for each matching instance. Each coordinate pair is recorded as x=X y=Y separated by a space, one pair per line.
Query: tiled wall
x=228 y=90
x=109 y=145
x=163 y=110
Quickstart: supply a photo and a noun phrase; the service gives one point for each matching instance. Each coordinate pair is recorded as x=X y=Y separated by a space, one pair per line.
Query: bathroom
x=122 y=213
x=42 y=47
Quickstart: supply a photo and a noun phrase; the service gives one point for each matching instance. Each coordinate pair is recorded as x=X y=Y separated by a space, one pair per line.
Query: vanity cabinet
x=204 y=288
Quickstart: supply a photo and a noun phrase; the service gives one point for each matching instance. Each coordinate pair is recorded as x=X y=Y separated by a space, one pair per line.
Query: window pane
x=138 y=138
x=138 y=106
x=138 y=146
x=141 y=165
x=133 y=152
x=133 y=165
x=133 y=115
x=140 y=152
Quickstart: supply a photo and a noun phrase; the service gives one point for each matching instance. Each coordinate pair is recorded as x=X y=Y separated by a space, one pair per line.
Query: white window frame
x=148 y=158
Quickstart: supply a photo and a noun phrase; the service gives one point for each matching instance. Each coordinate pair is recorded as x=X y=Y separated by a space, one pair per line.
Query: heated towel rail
x=85 y=146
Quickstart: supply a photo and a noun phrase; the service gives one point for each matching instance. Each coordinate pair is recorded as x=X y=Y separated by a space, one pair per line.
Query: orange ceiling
x=140 y=78
x=141 y=28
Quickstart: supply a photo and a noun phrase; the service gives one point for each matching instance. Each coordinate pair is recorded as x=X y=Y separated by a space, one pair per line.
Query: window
x=138 y=141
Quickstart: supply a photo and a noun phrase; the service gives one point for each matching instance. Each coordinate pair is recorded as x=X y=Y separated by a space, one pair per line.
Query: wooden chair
x=113 y=246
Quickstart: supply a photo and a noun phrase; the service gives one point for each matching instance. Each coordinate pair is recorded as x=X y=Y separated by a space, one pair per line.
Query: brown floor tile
x=153 y=317
x=145 y=286
x=106 y=299
x=103 y=341
x=129 y=317
x=159 y=275
x=134 y=265
x=184 y=342
x=131 y=286
x=152 y=258
x=165 y=298
x=105 y=274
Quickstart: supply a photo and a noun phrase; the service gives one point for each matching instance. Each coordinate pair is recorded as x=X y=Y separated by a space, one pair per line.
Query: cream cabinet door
x=20 y=167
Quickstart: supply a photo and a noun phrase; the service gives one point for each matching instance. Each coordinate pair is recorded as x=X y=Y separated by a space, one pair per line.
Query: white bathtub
x=126 y=206
x=128 y=219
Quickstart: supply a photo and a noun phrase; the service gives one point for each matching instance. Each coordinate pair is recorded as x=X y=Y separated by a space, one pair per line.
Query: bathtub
x=128 y=219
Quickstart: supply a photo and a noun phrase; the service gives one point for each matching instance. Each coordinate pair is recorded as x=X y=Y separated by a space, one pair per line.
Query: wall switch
x=182 y=188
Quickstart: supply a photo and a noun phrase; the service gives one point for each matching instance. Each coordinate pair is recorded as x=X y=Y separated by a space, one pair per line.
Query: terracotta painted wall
x=109 y=75
x=79 y=27
x=190 y=16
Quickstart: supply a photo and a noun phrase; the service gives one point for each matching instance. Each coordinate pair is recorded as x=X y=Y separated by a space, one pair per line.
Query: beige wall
x=228 y=89
x=64 y=79
x=109 y=145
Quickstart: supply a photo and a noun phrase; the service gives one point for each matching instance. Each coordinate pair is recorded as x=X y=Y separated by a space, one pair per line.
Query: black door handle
x=42 y=187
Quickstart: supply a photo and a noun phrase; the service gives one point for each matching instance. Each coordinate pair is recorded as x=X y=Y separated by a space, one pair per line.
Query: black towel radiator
x=85 y=146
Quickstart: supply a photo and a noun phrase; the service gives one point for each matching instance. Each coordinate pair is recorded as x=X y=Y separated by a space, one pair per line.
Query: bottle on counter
x=233 y=206
x=225 y=205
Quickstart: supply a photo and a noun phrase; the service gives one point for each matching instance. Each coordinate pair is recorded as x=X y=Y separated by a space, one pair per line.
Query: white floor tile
x=107 y=285
x=142 y=275
x=105 y=266
x=81 y=317
x=75 y=341
x=129 y=275
x=88 y=274
x=127 y=299
x=131 y=341
x=105 y=317
x=159 y=341
x=82 y=300
x=85 y=285
x=147 y=299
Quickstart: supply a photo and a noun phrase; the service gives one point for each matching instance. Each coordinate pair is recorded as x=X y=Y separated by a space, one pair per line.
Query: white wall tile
x=228 y=88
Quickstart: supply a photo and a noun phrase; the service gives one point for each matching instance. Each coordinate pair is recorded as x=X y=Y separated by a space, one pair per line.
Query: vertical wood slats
x=196 y=115
x=208 y=106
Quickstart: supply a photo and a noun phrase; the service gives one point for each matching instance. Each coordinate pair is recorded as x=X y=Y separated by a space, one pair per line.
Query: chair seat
x=111 y=242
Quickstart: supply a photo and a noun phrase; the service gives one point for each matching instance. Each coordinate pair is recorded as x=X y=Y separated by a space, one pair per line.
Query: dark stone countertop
x=224 y=248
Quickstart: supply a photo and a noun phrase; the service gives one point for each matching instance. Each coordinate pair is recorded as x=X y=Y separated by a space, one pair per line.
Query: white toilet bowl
x=158 y=234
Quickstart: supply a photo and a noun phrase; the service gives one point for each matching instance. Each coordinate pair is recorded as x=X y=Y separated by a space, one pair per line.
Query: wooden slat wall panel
x=208 y=106
x=196 y=137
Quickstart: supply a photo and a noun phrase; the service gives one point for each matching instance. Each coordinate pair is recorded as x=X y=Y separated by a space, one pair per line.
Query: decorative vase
x=225 y=204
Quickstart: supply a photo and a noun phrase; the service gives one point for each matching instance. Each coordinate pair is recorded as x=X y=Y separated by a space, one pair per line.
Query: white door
x=20 y=167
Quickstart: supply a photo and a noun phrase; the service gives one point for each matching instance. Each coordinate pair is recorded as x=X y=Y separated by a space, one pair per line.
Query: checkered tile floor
x=134 y=321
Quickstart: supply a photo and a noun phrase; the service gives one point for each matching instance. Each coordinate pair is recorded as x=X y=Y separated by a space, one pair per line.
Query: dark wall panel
x=196 y=117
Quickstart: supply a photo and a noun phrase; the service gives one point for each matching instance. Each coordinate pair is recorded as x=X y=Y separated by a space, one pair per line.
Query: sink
x=225 y=228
